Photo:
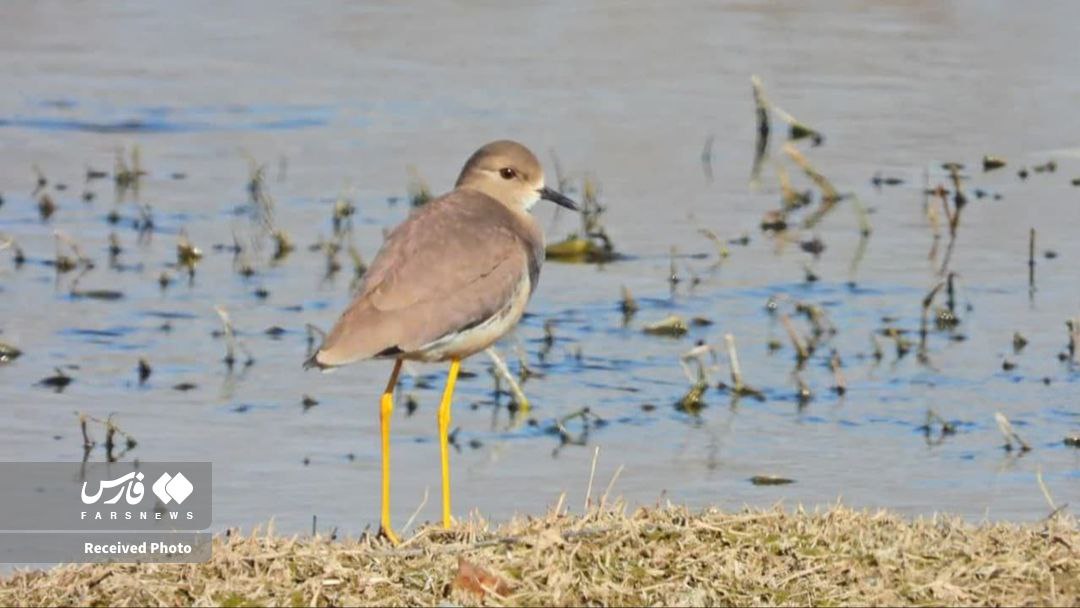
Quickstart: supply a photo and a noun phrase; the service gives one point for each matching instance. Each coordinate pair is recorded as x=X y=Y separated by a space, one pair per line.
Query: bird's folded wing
x=455 y=263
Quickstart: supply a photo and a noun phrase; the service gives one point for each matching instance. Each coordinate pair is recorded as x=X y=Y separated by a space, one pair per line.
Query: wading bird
x=448 y=282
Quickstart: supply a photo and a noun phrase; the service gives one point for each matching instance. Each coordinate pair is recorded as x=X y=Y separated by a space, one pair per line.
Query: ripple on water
x=157 y=120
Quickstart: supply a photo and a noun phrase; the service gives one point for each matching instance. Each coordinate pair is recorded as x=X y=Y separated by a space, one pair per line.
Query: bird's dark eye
x=507 y=173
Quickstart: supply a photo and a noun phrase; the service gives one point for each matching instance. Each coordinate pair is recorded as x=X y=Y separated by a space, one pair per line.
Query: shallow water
x=347 y=99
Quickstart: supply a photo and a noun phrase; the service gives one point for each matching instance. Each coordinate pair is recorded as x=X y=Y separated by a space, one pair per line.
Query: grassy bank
x=671 y=556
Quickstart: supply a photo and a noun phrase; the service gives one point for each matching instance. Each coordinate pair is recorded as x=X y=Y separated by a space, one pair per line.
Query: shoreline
x=667 y=555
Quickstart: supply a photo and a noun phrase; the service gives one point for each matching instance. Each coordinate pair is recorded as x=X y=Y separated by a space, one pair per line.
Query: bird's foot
x=388 y=533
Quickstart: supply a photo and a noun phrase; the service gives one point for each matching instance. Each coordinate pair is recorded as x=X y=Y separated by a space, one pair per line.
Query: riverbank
x=671 y=556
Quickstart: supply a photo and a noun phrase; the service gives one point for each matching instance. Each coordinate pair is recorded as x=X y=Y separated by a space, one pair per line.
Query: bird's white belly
x=461 y=344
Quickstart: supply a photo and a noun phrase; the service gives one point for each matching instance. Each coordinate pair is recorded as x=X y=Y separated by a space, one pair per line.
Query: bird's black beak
x=557 y=198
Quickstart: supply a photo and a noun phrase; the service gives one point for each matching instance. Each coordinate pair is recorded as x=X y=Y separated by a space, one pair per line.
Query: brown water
x=349 y=97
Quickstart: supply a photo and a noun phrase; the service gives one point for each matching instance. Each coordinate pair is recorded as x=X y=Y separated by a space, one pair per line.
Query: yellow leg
x=444 y=430
x=386 y=409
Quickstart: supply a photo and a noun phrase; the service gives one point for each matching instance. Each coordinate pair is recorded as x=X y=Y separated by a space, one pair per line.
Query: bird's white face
x=531 y=198
x=512 y=185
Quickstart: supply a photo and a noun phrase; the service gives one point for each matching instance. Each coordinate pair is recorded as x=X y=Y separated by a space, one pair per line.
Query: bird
x=448 y=282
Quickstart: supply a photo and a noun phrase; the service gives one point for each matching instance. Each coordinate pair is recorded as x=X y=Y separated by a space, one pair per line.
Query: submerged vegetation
x=592 y=243
x=801 y=327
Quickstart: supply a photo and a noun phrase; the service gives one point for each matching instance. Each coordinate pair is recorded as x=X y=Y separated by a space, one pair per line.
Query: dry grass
x=670 y=556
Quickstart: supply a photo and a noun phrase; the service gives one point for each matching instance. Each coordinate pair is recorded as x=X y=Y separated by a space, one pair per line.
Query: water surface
x=344 y=99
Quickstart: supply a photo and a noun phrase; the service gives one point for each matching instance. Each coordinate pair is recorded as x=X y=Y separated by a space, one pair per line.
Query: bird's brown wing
x=453 y=264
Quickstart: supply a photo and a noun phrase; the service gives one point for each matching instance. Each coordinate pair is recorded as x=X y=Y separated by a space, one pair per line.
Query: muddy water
x=344 y=100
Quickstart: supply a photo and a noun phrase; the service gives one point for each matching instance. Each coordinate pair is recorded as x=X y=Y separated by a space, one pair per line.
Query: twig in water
x=1073 y=326
x=1018 y=342
x=673 y=272
x=1031 y=263
x=521 y=401
x=829 y=195
x=863 y=216
x=706 y=158
x=801 y=351
x=111 y=431
x=628 y=305
x=144 y=370
x=803 y=392
x=283 y=245
x=692 y=402
x=1010 y=434
x=63 y=261
x=127 y=177
x=924 y=327
x=562 y=181
x=231 y=342
x=591 y=209
x=46 y=207
x=562 y=184
x=697 y=353
x=343 y=211
x=789 y=197
x=40 y=181
x=524 y=371
x=331 y=250
x=837 y=366
x=822 y=327
x=145 y=223
x=950 y=294
x=934 y=219
x=187 y=255
x=262 y=203
x=565 y=437
x=959 y=201
x=721 y=247
x=733 y=357
x=83 y=426
x=359 y=267
x=878 y=353
x=761 y=110
x=856 y=258
x=796 y=130
x=738 y=387
x=946 y=428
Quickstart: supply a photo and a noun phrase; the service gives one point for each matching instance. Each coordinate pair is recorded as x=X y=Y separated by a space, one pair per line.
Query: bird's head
x=508 y=172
